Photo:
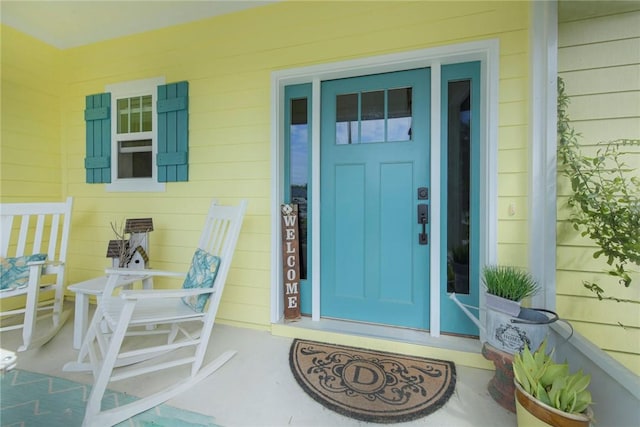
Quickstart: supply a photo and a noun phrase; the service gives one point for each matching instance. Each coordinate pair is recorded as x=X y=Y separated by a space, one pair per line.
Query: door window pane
x=374 y=116
x=347 y=119
x=459 y=172
x=372 y=126
x=399 y=122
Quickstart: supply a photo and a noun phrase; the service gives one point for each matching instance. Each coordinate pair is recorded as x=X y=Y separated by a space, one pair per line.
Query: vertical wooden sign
x=290 y=261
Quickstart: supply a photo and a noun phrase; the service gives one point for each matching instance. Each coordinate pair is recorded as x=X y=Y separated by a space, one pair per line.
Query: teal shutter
x=97 y=116
x=173 y=132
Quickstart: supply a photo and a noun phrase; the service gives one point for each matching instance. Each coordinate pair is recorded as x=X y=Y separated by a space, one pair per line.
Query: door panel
x=374 y=157
x=350 y=231
x=396 y=231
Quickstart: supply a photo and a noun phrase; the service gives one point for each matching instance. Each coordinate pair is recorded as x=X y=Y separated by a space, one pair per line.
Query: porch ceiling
x=71 y=23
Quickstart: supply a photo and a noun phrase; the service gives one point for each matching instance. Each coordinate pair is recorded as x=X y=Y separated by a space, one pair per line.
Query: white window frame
x=485 y=51
x=128 y=90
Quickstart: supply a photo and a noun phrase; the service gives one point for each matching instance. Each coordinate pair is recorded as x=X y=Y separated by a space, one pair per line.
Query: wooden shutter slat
x=166 y=159
x=96 y=113
x=176 y=104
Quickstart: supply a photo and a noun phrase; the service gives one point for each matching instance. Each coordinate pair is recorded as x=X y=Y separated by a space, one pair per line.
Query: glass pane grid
x=374 y=116
x=135 y=114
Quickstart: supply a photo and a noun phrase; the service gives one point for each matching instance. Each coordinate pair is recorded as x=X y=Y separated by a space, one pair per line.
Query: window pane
x=299 y=172
x=134 y=159
x=347 y=119
x=459 y=172
x=372 y=126
x=399 y=122
x=136 y=114
x=146 y=114
x=123 y=115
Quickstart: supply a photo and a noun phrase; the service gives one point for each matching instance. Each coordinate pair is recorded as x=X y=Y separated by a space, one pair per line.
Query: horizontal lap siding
x=228 y=62
x=599 y=59
x=31 y=153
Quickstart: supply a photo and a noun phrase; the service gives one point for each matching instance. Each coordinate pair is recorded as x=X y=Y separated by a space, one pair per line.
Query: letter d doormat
x=371 y=385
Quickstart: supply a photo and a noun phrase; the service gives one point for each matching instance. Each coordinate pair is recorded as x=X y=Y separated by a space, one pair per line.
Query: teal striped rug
x=29 y=399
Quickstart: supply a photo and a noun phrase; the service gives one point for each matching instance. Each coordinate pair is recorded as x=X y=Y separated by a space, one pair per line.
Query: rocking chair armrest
x=143 y=272
x=163 y=293
x=45 y=262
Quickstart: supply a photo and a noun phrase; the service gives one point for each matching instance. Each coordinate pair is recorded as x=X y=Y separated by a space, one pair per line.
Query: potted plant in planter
x=509 y=326
x=506 y=287
x=547 y=393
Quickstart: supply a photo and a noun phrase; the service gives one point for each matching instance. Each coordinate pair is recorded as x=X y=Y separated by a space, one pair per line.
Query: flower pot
x=530 y=412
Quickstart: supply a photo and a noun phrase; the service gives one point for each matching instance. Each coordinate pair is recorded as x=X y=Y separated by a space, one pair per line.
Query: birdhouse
x=139 y=230
x=138 y=259
x=117 y=250
x=133 y=252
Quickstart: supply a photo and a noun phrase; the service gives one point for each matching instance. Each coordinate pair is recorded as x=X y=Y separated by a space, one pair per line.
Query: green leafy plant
x=605 y=197
x=509 y=282
x=551 y=382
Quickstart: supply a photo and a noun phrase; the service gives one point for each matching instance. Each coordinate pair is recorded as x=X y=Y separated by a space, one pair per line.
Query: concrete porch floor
x=256 y=387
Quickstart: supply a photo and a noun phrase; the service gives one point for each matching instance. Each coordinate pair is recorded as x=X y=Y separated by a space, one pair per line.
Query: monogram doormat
x=371 y=385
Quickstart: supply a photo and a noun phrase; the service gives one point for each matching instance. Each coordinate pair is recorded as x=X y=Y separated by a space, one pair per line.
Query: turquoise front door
x=374 y=160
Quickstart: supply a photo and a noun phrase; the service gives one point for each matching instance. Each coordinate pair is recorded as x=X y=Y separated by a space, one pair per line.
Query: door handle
x=423 y=219
x=423 y=214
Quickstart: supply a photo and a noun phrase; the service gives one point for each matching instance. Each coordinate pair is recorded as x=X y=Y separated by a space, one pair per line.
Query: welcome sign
x=290 y=261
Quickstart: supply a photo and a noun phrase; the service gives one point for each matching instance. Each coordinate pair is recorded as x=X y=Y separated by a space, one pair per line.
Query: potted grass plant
x=547 y=393
x=509 y=326
x=506 y=287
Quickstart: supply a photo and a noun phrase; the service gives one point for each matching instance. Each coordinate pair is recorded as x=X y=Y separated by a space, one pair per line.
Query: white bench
x=84 y=290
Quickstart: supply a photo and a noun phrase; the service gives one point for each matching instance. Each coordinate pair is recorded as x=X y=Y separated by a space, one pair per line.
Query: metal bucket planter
x=530 y=412
x=503 y=305
x=511 y=333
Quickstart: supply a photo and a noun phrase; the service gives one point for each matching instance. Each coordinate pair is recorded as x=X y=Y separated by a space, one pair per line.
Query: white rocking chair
x=33 y=246
x=113 y=350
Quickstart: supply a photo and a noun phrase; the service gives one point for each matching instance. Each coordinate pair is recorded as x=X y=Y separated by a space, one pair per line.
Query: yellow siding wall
x=228 y=62
x=30 y=155
x=599 y=60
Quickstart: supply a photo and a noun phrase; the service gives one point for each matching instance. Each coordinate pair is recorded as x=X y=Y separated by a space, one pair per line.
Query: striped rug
x=31 y=399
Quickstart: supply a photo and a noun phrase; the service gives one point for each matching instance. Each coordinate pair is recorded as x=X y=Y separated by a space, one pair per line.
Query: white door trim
x=485 y=51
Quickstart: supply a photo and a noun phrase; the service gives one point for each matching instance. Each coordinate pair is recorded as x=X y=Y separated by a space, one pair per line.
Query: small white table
x=95 y=287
